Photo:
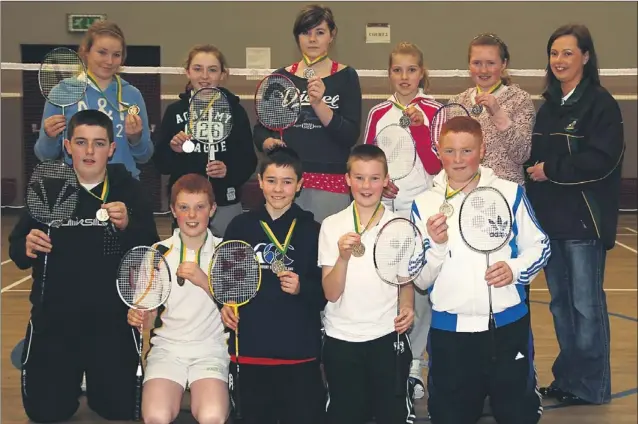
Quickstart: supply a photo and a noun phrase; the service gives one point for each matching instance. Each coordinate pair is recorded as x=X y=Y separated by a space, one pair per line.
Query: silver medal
x=180 y=281
x=476 y=109
x=404 y=121
x=188 y=146
x=308 y=73
x=102 y=215
x=446 y=209
x=277 y=267
x=358 y=250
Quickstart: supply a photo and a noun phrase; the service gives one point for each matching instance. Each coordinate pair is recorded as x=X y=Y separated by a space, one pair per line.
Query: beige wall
x=442 y=29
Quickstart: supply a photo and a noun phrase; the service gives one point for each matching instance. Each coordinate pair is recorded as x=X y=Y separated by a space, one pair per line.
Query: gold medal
x=134 y=110
x=358 y=250
x=309 y=73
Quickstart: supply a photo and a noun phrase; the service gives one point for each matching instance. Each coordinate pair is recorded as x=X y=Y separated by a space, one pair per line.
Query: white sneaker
x=418 y=390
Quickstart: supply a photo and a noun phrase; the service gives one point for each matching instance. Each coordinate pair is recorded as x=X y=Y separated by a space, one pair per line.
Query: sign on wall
x=81 y=23
x=377 y=33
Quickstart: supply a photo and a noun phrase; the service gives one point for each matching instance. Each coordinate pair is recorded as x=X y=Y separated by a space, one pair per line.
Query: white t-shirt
x=368 y=306
x=191 y=322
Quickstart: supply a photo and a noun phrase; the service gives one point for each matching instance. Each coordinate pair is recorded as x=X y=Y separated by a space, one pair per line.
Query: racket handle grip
x=137 y=411
x=238 y=415
x=398 y=380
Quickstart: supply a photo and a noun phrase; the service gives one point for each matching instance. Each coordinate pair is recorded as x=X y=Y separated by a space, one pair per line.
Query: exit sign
x=81 y=23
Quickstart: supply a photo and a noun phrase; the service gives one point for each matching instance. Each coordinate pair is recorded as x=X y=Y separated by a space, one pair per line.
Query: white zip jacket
x=455 y=275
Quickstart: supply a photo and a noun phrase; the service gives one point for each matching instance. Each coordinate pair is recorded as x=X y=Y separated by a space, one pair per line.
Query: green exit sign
x=81 y=23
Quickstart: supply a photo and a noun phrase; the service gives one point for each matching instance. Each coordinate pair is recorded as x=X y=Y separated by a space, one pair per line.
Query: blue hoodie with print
x=50 y=148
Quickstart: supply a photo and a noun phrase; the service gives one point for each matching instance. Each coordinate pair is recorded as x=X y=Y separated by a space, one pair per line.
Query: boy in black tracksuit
x=280 y=328
x=80 y=326
x=236 y=152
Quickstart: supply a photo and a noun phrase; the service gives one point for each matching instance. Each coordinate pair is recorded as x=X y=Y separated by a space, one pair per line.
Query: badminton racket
x=234 y=277
x=52 y=197
x=485 y=224
x=62 y=79
x=442 y=115
x=143 y=284
x=400 y=151
x=399 y=257
x=277 y=103
x=210 y=120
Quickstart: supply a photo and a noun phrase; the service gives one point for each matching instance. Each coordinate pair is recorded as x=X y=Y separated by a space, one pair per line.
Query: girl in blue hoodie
x=103 y=51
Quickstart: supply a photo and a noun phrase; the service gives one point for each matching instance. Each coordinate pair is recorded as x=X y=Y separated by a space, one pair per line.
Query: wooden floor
x=620 y=285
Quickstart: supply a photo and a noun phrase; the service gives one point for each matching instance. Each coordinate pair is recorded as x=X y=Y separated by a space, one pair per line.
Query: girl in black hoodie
x=235 y=157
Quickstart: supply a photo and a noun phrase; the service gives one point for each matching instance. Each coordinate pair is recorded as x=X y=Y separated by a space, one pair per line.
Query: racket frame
x=137 y=411
x=487 y=253
x=235 y=307
x=297 y=101
x=82 y=71
x=434 y=124
x=399 y=346
x=414 y=149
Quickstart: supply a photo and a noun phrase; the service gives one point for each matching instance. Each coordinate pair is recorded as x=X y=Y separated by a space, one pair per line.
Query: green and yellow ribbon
x=357 y=222
x=182 y=251
x=118 y=81
x=271 y=236
x=450 y=194
x=105 y=190
x=491 y=90
x=309 y=62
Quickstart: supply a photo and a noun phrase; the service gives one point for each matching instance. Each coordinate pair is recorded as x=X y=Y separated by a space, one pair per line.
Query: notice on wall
x=377 y=33
x=257 y=58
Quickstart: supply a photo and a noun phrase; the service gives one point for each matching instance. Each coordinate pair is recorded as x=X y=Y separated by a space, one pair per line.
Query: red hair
x=192 y=183
x=462 y=124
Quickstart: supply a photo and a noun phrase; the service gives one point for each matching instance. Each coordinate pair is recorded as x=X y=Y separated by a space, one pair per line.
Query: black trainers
x=416 y=388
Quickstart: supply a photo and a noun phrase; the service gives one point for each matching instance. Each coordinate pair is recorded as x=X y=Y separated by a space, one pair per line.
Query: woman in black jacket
x=574 y=185
x=235 y=158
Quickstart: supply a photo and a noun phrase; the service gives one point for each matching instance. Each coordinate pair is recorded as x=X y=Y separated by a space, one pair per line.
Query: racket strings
x=62 y=77
x=210 y=116
x=277 y=102
x=144 y=280
x=52 y=193
x=235 y=273
x=398 y=252
x=485 y=220
x=400 y=151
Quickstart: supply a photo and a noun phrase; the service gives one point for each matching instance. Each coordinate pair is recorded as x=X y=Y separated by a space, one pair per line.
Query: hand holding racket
x=37 y=241
x=277 y=103
x=485 y=224
x=143 y=284
x=52 y=197
x=63 y=81
x=399 y=258
x=499 y=275
x=234 y=278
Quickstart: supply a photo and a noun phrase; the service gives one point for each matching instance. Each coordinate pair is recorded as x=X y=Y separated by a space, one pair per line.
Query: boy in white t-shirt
x=360 y=321
x=188 y=343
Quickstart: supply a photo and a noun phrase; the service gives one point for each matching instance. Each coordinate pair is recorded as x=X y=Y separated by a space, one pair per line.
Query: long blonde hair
x=408 y=48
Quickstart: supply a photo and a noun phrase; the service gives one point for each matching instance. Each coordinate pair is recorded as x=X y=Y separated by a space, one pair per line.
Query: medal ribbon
x=449 y=195
x=118 y=81
x=491 y=90
x=105 y=190
x=355 y=215
x=309 y=63
x=182 y=251
x=271 y=236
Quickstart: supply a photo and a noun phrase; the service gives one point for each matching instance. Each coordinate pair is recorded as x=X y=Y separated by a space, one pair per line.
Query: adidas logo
x=498 y=228
x=519 y=355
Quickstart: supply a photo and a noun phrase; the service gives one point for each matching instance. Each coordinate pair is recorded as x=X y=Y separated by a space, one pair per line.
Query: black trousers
x=284 y=394
x=464 y=369
x=56 y=355
x=361 y=380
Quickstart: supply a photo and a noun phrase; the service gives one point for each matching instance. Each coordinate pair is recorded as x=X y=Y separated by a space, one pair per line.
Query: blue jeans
x=575 y=274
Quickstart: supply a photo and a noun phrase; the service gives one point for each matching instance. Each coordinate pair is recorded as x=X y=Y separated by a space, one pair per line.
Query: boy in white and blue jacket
x=466 y=364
